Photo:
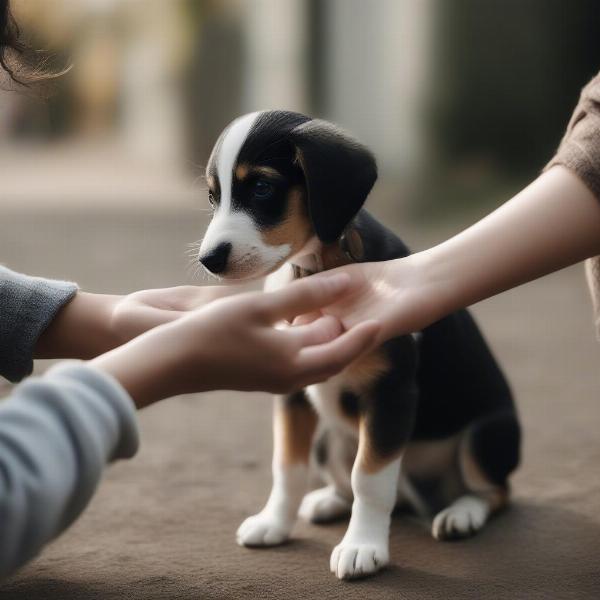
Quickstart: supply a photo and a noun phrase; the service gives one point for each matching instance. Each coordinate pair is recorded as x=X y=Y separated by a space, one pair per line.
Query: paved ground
x=162 y=526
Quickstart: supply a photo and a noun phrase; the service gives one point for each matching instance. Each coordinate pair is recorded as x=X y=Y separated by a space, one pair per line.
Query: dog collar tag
x=352 y=246
x=306 y=265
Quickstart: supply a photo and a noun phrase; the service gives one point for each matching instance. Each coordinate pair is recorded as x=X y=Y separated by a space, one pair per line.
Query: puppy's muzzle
x=215 y=261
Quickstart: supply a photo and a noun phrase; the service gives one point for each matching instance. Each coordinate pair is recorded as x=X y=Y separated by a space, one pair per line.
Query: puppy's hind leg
x=488 y=453
x=293 y=427
x=334 y=455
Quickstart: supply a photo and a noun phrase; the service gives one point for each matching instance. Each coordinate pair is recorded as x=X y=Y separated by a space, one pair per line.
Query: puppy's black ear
x=339 y=174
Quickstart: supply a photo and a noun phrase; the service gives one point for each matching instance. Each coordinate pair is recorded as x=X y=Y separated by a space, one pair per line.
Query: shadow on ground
x=533 y=551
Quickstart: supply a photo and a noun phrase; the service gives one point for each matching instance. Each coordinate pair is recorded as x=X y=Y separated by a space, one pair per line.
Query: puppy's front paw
x=351 y=560
x=263 y=529
x=323 y=505
x=463 y=518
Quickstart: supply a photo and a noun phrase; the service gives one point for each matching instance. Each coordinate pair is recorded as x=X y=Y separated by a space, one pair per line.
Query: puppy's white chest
x=325 y=398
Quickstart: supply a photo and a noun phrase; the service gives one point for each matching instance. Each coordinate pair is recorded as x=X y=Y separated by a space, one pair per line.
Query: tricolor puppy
x=425 y=420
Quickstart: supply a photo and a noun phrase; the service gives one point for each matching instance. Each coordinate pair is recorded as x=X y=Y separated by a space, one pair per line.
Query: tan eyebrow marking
x=267 y=171
x=244 y=170
x=210 y=181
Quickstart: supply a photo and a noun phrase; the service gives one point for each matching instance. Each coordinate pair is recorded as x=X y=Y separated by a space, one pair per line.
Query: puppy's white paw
x=263 y=529
x=323 y=505
x=351 y=560
x=463 y=518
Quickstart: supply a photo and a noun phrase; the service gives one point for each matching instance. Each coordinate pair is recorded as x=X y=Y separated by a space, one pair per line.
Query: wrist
x=153 y=366
x=81 y=329
x=422 y=291
x=440 y=287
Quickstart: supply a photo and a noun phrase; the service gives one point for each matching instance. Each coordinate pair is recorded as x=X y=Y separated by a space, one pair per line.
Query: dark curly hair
x=23 y=64
x=10 y=41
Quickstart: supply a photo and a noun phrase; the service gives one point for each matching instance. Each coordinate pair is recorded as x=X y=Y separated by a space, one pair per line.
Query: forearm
x=92 y=324
x=551 y=224
x=83 y=328
x=150 y=367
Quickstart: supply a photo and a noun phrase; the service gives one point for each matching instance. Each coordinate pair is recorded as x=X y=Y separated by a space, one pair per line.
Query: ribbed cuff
x=30 y=305
x=572 y=156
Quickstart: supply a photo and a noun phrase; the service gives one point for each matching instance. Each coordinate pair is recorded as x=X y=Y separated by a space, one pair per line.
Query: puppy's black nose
x=216 y=260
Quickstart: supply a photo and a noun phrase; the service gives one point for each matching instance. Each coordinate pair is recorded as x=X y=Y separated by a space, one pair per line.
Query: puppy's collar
x=349 y=247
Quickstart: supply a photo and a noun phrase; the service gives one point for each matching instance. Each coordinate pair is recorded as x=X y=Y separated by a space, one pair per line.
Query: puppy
x=426 y=420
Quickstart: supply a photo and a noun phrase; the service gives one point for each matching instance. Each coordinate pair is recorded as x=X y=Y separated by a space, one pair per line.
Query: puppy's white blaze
x=229 y=150
x=238 y=229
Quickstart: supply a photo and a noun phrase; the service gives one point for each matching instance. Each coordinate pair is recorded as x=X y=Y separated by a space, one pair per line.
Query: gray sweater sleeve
x=27 y=306
x=57 y=432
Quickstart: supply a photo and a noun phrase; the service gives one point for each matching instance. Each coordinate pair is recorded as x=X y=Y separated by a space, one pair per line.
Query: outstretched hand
x=140 y=311
x=233 y=343
x=393 y=293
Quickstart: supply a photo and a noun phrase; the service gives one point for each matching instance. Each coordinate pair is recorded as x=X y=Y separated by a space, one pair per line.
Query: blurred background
x=461 y=100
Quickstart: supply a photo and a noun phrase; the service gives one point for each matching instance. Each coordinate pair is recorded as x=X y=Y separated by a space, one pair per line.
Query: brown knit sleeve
x=579 y=149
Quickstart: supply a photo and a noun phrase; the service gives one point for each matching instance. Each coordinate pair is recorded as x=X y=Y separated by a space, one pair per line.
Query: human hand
x=140 y=311
x=233 y=344
x=395 y=293
x=516 y=243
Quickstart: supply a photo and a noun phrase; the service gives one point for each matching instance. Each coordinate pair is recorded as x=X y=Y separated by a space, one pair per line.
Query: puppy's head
x=275 y=180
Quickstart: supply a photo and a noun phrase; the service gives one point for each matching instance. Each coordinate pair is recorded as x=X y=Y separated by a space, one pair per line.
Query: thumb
x=322 y=361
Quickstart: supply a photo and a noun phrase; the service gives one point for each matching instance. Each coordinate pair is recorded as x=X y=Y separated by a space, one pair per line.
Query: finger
x=307 y=318
x=304 y=296
x=320 y=331
x=325 y=360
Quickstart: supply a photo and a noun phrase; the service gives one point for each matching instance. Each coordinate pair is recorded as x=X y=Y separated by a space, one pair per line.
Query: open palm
x=388 y=292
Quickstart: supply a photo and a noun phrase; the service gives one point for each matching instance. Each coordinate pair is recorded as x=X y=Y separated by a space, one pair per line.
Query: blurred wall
x=375 y=62
x=507 y=75
x=462 y=100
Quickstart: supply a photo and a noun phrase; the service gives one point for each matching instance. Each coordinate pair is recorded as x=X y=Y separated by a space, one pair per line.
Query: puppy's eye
x=263 y=190
x=211 y=199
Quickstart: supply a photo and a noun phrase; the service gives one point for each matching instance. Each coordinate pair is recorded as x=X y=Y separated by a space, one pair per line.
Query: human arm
x=552 y=223
x=90 y=324
x=57 y=433
x=45 y=318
